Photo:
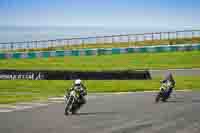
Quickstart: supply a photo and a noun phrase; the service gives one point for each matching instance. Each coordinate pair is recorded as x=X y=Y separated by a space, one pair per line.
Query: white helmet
x=77 y=82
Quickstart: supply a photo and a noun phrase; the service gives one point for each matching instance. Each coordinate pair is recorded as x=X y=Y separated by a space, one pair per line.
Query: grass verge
x=165 y=60
x=12 y=91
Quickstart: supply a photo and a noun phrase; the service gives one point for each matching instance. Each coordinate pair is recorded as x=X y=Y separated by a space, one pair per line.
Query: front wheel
x=158 y=97
x=69 y=105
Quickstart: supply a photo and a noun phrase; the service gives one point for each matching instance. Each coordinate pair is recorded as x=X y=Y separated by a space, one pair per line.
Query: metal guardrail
x=104 y=51
x=129 y=38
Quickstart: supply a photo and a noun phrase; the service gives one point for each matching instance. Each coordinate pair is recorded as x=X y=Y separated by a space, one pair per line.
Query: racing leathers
x=169 y=80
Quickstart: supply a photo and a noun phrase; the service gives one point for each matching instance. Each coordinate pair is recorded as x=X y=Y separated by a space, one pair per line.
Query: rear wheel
x=164 y=99
x=157 y=97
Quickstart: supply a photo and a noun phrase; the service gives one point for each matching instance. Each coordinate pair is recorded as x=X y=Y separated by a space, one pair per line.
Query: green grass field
x=21 y=90
x=12 y=91
x=109 y=62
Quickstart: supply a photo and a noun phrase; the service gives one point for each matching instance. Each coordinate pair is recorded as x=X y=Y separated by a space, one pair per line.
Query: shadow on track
x=184 y=101
x=196 y=100
x=96 y=113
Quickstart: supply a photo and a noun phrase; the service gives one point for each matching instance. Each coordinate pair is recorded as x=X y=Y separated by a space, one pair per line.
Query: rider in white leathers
x=82 y=91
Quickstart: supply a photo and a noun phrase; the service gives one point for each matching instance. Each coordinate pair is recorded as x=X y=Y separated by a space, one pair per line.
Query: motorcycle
x=72 y=102
x=164 y=93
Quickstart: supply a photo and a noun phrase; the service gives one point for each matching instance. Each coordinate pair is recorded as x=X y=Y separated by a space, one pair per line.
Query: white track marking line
x=6 y=110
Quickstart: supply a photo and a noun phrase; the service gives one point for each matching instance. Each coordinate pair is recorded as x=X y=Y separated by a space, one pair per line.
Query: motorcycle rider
x=82 y=90
x=170 y=82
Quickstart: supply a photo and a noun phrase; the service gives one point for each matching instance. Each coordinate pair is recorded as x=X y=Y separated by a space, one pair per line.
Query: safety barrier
x=71 y=75
x=101 y=51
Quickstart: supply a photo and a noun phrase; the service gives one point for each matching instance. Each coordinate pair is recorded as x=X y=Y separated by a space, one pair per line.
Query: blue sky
x=106 y=13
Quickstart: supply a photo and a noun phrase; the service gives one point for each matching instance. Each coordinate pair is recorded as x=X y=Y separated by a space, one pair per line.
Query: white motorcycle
x=71 y=102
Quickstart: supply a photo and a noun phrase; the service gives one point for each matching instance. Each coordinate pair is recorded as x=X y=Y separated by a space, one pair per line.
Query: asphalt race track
x=116 y=113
